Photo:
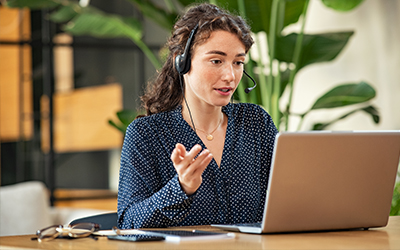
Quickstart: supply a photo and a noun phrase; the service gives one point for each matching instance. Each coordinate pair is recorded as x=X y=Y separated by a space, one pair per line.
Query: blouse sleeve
x=144 y=199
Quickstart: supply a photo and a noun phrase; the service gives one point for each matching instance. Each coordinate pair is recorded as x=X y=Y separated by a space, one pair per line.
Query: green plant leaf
x=315 y=48
x=186 y=2
x=95 y=23
x=159 y=15
x=371 y=110
x=342 y=5
x=126 y=116
x=293 y=11
x=395 y=208
x=320 y=126
x=98 y=24
x=346 y=94
x=258 y=12
x=33 y=4
x=65 y=13
x=121 y=128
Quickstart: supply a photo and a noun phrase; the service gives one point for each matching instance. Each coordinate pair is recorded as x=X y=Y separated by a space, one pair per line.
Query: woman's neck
x=205 y=118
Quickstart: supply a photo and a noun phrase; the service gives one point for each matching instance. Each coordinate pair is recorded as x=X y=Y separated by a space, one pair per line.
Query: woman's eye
x=216 y=61
x=239 y=63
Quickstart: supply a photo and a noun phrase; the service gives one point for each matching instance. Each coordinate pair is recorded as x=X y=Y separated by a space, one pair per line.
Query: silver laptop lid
x=331 y=180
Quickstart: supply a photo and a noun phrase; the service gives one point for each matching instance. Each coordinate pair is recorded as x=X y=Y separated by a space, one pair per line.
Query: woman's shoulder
x=153 y=121
x=249 y=113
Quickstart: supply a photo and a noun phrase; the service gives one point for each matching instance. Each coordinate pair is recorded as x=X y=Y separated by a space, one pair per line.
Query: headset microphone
x=247 y=90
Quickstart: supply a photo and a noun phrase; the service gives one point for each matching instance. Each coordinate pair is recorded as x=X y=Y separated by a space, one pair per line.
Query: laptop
x=323 y=181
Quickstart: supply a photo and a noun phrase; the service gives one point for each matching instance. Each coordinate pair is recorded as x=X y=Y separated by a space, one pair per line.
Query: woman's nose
x=228 y=73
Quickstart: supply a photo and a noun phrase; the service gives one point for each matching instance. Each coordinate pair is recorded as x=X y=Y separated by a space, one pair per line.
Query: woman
x=222 y=178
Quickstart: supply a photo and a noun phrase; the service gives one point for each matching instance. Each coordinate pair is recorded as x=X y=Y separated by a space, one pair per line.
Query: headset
x=183 y=61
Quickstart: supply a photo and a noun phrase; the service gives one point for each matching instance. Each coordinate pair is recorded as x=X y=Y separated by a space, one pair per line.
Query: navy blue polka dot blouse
x=149 y=192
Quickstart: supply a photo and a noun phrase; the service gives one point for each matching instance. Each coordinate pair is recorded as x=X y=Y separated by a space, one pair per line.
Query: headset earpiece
x=183 y=61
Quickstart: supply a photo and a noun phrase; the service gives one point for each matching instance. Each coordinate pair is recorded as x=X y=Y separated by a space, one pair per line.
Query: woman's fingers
x=181 y=150
x=190 y=167
x=192 y=154
x=206 y=159
x=180 y=157
x=178 y=154
x=201 y=162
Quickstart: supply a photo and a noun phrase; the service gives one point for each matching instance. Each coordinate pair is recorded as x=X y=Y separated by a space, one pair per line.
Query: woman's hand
x=190 y=169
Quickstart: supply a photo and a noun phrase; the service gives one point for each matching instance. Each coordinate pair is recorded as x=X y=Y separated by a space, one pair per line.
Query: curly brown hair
x=165 y=92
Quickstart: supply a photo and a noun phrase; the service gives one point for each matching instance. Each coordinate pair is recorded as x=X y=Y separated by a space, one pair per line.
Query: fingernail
x=205 y=151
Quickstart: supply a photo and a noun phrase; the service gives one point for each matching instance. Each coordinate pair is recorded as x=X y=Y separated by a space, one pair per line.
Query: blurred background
x=71 y=82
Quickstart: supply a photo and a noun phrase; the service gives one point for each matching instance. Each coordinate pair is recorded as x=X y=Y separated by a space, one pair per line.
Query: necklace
x=209 y=136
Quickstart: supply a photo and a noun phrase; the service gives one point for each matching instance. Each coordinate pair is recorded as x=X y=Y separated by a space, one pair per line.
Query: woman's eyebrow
x=218 y=52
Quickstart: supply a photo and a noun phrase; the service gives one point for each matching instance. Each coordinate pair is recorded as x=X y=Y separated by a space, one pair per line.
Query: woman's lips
x=224 y=91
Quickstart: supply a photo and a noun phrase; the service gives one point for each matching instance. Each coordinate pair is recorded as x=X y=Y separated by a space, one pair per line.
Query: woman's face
x=216 y=70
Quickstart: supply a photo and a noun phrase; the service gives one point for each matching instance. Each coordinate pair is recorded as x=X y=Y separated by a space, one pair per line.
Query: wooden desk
x=381 y=238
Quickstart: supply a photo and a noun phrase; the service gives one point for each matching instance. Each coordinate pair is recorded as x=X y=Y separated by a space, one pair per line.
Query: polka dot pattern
x=149 y=192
